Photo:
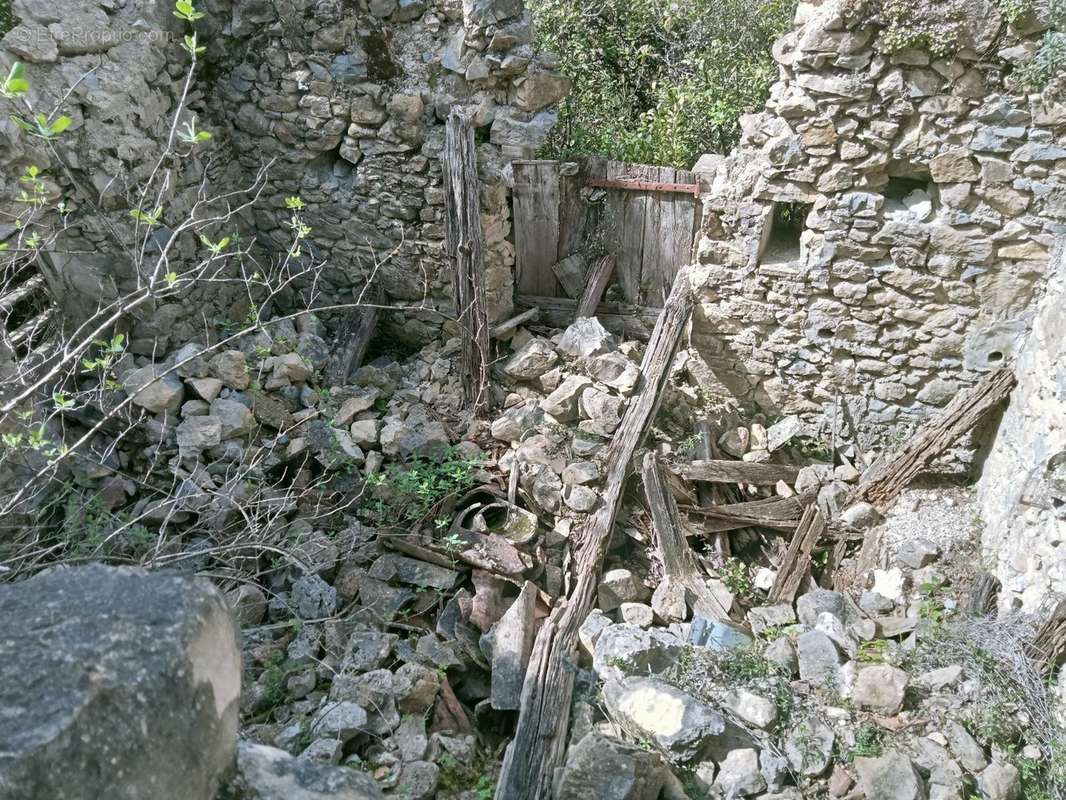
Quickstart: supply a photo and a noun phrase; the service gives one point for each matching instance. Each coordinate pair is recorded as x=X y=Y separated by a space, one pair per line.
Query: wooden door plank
x=658 y=218
x=572 y=212
x=635 y=205
x=536 y=215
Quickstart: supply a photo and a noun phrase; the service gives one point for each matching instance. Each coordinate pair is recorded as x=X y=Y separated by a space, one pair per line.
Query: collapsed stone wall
x=346 y=103
x=881 y=232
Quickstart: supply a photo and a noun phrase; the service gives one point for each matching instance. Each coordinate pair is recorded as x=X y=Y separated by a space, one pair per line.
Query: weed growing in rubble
x=406 y=493
x=737 y=578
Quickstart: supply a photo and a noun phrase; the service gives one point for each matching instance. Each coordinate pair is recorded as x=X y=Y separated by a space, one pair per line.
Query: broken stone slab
x=675 y=721
x=964 y=747
x=373 y=691
x=891 y=777
x=391 y=567
x=716 y=635
x=103 y=666
x=841 y=606
x=267 y=773
x=784 y=431
x=512 y=643
x=606 y=768
x=562 y=403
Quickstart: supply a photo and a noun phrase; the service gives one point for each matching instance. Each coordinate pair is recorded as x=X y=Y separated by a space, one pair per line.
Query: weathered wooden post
x=464 y=242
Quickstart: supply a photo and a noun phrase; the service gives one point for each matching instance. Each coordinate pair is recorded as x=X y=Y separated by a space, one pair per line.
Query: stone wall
x=1022 y=491
x=344 y=101
x=883 y=229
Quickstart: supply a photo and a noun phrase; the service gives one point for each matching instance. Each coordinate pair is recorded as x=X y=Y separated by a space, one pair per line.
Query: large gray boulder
x=116 y=683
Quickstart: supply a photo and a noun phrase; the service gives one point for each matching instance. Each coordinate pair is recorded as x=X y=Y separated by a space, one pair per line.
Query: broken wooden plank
x=679 y=562
x=633 y=185
x=570 y=273
x=883 y=483
x=540 y=739
x=709 y=493
x=464 y=243
x=573 y=216
x=723 y=471
x=781 y=514
x=353 y=338
x=1048 y=648
x=536 y=226
x=502 y=329
x=595 y=285
x=797 y=561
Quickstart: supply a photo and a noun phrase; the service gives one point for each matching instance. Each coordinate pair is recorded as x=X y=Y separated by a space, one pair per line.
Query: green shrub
x=7 y=17
x=656 y=81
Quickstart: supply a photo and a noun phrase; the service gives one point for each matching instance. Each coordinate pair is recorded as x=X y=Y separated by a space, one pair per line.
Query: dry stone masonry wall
x=345 y=102
x=350 y=100
x=884 y=227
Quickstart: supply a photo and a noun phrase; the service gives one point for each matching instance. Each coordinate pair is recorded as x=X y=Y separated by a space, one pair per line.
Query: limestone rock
x=880 y=688
x=606 y=768
x=675 y=721
x=628 y=649
x=235 y=419
x=890 y=777
x=531 y=360
x=620 y=586
x=586 y=337
x=102 y=666
x=739 y=774
x=266 y=773
x=231 y=367
x=1000 y=781
x=153 y=390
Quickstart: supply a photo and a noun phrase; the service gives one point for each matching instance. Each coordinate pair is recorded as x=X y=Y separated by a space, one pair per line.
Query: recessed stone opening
x=995 y=357
x=783 y=233
x=899 y=187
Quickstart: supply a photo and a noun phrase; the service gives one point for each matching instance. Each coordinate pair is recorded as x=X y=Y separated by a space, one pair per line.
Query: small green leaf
x=60 y=125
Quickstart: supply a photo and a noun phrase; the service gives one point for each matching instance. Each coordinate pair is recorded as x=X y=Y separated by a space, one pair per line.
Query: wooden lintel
x=645 y=186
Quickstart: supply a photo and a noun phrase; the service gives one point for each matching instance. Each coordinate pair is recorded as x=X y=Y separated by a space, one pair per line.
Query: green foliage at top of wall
x=657 y=81
x=7 y=17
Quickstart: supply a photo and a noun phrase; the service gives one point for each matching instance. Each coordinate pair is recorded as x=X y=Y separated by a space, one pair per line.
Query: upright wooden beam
x=595 y=285
x=464 y=242
x=797 y=559
x=540 y=739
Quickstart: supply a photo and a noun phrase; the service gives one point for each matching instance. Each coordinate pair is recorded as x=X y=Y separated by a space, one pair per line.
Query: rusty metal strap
x=646 y=186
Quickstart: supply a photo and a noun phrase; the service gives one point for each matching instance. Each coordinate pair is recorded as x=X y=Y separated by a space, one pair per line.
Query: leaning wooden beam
x=634 y=322
x=797 y=560
x=595 y=285
x=679 y=562
x=883 y=483
x=464 y=243
x=353 y=338
x=540 y=739
x=506 y=327
x=737 y=472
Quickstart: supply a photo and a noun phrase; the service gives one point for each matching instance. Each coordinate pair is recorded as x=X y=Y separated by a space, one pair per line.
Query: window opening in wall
x=781 y=242
x=909 y=198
